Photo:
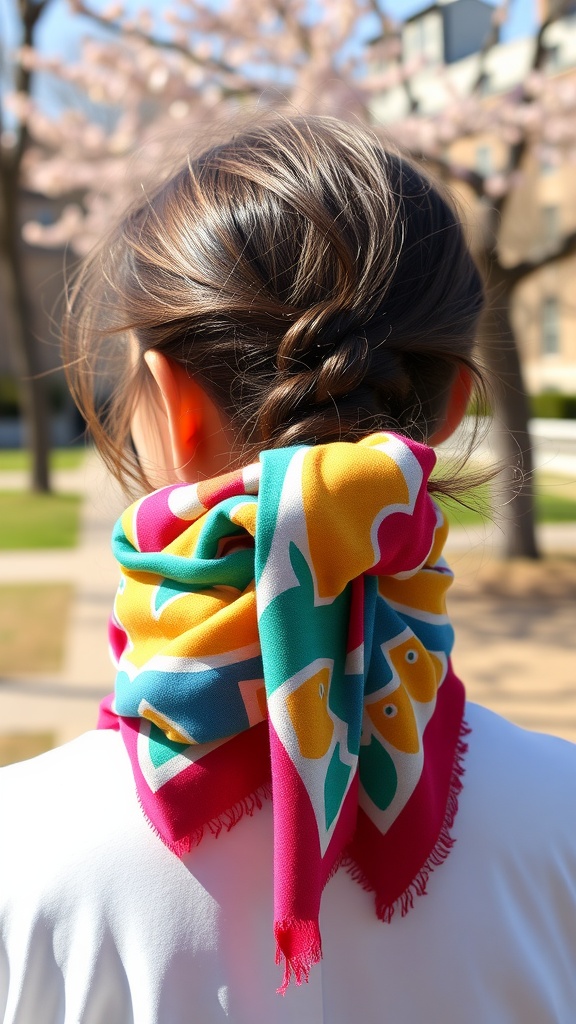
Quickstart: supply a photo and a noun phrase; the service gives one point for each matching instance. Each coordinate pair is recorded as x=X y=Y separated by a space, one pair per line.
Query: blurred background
x=96 y=100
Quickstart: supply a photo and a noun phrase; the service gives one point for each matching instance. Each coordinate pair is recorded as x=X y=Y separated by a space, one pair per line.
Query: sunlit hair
x=316 y=285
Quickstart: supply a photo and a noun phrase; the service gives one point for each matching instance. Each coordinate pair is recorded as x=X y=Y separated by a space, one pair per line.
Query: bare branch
x=30 y=13
x=300 y=31
x=492 y=40
x=517 y=273
x=170 y=45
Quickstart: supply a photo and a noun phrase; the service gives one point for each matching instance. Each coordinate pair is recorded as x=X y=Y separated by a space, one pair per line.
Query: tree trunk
x=513 y=491
x=22 y=343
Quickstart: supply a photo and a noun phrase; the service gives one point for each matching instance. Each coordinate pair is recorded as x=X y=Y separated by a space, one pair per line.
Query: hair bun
x=318 y=286
x=339 y=334
x=328 y=371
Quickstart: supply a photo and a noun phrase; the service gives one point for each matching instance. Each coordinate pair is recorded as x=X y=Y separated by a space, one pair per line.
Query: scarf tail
x=298 y=947
x=234 y=622
x=385 y=907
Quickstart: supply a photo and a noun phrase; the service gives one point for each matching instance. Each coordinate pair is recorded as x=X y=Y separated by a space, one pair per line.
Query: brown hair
x=318 y=286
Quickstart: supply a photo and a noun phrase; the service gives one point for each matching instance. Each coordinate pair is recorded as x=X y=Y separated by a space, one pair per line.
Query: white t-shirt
x=101 y=924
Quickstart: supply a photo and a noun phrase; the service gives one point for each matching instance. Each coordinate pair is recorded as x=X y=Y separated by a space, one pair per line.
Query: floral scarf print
x=282 y=630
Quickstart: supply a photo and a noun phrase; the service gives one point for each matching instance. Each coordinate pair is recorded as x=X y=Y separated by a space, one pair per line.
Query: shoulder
x=66 y=803
x=80 y=764
x=90 y=899
x=520 y=783
x=507 y=748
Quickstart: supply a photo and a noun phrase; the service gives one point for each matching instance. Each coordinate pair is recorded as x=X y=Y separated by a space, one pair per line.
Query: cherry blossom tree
x=128 y=91
x=143 y=81
x=149 y=80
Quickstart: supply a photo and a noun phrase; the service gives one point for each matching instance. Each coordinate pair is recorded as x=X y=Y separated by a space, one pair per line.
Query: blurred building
x=443 y=43
x=446 y=31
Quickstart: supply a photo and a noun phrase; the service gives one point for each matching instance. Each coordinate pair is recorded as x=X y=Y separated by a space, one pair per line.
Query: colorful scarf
x=283 y=629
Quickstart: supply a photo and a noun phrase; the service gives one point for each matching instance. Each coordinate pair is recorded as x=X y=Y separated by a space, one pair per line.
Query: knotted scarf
x=282 y=629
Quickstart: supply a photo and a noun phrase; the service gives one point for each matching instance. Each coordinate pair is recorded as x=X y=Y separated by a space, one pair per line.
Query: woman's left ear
x=199 y=437
x=458 y=402
x=182 y=399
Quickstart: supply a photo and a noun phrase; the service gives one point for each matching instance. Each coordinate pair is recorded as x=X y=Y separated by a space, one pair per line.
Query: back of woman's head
x=317 y=286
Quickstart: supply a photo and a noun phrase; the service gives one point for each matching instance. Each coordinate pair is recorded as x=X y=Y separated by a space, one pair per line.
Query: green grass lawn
x=32 y=521
x=551 y=506
x=61 y=458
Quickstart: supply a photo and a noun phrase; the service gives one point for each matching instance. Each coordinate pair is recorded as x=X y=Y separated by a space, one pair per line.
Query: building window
x=548 y=162
x=550 y=216
x=45 y=216
x=484 y=161
x=423 y=39
x=550 y=326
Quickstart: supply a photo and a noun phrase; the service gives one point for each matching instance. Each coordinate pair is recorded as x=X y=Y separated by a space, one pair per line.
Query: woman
x=289 y=322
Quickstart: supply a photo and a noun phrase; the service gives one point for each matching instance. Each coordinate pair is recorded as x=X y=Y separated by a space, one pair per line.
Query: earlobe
x=189 y=427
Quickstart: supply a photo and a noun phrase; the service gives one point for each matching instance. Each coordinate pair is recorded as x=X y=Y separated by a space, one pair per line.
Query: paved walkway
x=516 y=642
x=66 y=703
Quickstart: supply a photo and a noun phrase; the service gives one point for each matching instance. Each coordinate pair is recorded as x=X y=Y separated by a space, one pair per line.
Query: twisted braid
x=330 y=381
x=318 y=286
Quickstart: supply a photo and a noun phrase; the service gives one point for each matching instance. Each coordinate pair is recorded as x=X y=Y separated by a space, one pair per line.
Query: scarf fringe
x=305 y=935
x=227 y=820
x=418 y=886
